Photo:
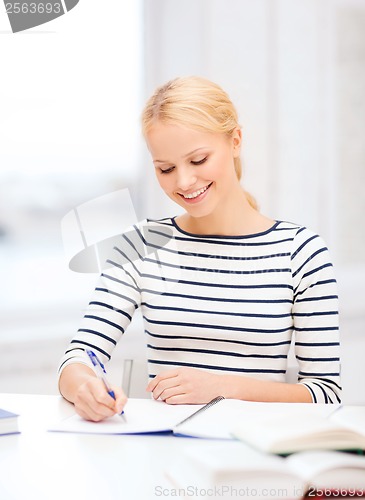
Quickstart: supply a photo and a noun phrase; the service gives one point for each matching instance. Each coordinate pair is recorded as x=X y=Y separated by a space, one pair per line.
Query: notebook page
x=221 y=419
x=140 y=416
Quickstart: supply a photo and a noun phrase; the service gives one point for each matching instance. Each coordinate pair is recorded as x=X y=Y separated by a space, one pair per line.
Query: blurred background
x=71 y=96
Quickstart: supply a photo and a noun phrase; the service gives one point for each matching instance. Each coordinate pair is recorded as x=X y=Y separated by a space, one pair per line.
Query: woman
x=225 y=289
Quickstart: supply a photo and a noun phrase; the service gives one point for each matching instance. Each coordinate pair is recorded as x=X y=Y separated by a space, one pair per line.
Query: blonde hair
x=196 y=103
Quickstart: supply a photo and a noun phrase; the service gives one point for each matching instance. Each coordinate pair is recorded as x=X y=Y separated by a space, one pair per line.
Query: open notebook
x=141 y=416
x=344 y=429
x=228 y=467
x=214 y=420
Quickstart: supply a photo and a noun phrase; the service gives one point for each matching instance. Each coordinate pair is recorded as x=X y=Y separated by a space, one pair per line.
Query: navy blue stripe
x=220 y=353
x=319 y=344
x=132 y=278
x=75 y=349
x=208 y=241
x=319 y=329
x=317 y=299
x=210 y=367
x=332 y=390
x=302 y=245
x=216 y=285
x=317 y=269
x=103 y=320
x=94 y=347
x=309 y=259
x=327 y=382
x=170 y=222
x=309 y=273
x=313 y=374
x=120 y=266
x=312 y=392
x=123 y=254
x=218 y=299
x=68 y=359
x=165 y=221
x=317 y=313
x=94 y=332
x=300 y=230
x=228 y=257
x=122 y=282
x=219 y=271
x=131 y=244
x=317 y=359
x=317 y=284
x=229 y=341
x=218 y=236
x=215 y=327
x=292 y=228
x=323 y=391
x=128 y=299
x=108 y=306
x=224 y=313
x=331 y=382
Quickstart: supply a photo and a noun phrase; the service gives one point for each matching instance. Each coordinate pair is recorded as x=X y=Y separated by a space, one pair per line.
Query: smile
x=195 y=194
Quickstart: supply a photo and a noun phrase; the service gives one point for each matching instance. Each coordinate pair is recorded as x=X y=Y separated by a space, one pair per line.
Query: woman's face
x=195 y=169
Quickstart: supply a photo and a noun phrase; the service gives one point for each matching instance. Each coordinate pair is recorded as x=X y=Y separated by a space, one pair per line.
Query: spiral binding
x=205 y=407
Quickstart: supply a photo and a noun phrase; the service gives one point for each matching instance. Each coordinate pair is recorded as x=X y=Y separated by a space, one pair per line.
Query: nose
x=186 y=178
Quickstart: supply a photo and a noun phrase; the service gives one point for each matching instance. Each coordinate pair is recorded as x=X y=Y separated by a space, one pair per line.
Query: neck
x=233 y=218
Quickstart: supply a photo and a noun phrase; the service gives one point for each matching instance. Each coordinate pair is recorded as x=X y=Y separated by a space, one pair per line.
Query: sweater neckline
x=224 y=237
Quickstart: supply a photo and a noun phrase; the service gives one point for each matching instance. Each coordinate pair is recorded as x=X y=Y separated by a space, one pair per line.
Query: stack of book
x=8 y=422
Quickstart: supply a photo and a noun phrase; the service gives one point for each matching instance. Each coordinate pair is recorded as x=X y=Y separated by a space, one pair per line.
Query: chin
x=198 y=213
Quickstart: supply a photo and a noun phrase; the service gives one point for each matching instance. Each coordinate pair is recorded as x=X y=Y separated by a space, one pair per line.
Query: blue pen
x=101 y=373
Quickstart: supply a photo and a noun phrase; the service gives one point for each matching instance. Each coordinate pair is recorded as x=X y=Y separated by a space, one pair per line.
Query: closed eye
x=166 y=170
x=199 y=162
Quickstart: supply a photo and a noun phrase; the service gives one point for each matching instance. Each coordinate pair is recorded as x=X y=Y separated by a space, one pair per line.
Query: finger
x=120 y=399
x=93 y=400
x=94 y=413
x=162 y=386
x=161 y=376
x=171 y=392
x=152 y=383
x=178 y=399
x=101 y=396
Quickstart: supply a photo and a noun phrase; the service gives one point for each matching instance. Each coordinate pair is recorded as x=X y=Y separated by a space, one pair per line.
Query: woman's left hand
x=185 y=386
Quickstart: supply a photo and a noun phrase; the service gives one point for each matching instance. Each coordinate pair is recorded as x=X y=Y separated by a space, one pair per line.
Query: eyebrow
x=185 y=156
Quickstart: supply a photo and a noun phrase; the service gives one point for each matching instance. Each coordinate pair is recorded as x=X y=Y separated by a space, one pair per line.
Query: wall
x=295 y=69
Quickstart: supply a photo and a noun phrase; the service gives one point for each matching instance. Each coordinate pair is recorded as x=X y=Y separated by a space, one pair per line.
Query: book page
x=352 y=417
x=231 y=466
x=221 y=419
x=140 y=416
x=329 y=469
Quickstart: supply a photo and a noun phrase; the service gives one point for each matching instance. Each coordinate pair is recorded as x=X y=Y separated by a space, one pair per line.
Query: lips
x=195 y=195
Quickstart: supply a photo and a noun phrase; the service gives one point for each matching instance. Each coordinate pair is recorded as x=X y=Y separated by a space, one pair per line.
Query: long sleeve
x=315 y=318
x=113 y=303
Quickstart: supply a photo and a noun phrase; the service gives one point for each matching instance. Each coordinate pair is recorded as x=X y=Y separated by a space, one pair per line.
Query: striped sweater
x=227 y=304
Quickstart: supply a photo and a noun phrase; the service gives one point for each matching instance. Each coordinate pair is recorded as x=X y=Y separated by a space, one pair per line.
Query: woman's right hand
x=92 y=401
x=79 y=385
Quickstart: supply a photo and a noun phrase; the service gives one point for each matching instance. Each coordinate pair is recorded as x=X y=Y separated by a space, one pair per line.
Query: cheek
x=219 y=168
x=164 y=182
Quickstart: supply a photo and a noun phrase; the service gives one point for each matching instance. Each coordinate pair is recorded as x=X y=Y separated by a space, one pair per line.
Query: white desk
x=41 y=465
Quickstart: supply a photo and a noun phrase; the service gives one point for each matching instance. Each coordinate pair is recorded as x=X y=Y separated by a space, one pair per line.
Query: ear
x=236 y=141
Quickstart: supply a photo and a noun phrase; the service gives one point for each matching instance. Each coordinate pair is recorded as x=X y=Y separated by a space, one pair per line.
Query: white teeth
x=196 y=193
